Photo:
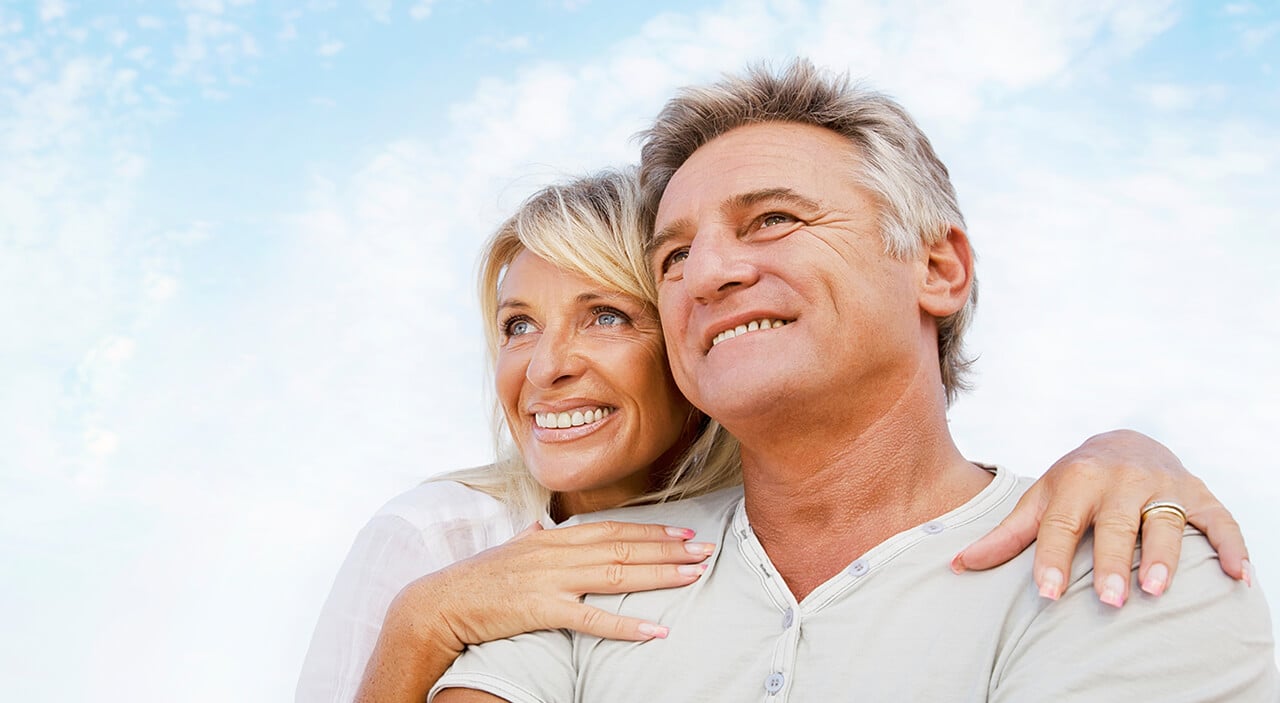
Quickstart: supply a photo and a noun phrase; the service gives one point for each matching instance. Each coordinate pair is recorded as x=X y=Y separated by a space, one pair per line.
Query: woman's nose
x=556 y=358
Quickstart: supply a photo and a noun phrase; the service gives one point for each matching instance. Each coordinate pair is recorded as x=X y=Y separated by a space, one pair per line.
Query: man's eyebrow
x=782 y=195
x=666 y=234
x=737 y=202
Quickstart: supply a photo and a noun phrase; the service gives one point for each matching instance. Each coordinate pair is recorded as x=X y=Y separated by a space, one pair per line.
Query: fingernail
x=656 y=631
x=682 y=532
x=957 y=564
x=699 y=548
x=1050 y=583
x=1246 y=572
x=691 y=569
x=1113 y=590
x=1157 y=578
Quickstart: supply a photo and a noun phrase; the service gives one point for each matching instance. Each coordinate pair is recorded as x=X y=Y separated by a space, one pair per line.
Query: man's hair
x=896 y=162
x=591 y=227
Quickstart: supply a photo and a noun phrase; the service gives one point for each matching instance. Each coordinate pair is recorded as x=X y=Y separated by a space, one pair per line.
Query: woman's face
x=584 y=384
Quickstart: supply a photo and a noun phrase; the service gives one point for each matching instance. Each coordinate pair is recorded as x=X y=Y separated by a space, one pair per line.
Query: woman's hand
x=1105 y=483
x=536 y=581
x=533 y=582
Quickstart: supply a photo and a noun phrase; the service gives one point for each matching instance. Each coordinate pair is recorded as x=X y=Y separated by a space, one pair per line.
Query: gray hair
x=896 y=162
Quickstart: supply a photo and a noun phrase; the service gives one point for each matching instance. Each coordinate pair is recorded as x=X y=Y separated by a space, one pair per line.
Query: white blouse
x=419 y=531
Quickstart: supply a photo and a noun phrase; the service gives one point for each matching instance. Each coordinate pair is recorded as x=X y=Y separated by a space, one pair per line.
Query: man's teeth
x=576 y=418
x=752 y=326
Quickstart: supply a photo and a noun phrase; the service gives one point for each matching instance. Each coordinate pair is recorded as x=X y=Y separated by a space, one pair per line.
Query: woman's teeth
x=752 y=326
x=576 y=418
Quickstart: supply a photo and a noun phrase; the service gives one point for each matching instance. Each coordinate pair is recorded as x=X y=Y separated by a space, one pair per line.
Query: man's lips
x=737 y=328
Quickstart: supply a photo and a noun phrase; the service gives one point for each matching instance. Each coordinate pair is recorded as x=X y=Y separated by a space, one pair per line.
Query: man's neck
x=820 y=498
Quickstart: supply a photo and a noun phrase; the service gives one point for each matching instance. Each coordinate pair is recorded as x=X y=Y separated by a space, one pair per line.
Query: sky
x=238 y=243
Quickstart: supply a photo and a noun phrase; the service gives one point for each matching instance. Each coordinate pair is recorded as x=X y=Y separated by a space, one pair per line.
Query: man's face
x=763 y=223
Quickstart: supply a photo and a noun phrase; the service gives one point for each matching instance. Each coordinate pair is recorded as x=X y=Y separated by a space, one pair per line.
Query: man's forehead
x=739 y=165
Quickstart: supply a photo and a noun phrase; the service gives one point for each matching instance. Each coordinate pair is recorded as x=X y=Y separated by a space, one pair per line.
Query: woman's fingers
x=1161 y=546
x=594 y=621
x=1115 y=533
x=614 y=531
x=1005 y=541
x=626 y=578
x=1212 y=518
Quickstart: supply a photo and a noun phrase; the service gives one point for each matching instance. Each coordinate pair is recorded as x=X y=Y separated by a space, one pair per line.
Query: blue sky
x=237 y=243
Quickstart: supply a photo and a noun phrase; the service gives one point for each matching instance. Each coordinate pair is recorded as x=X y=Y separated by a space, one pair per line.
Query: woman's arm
x=533 y=582
x=1104 y=484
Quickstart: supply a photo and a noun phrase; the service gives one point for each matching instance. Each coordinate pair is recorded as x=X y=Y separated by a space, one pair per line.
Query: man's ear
x=948 y=274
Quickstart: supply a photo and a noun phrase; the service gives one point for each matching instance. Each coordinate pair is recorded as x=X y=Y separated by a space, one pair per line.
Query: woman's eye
x=609 y=317
x=517 y=327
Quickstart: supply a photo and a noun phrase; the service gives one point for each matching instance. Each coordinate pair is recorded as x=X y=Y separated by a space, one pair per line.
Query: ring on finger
x=1164 y=506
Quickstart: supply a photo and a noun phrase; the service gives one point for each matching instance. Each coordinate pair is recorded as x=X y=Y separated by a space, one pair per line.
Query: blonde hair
x=593 y=227
x=897 y=163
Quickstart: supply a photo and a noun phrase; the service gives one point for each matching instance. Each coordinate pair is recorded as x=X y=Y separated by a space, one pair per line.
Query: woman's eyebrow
x=512 y=303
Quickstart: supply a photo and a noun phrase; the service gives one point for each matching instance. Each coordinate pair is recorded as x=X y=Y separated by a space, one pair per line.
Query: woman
x=595 y=421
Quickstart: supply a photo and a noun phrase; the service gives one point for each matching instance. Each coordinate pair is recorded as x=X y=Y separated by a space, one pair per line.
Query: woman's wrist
x=418 y=621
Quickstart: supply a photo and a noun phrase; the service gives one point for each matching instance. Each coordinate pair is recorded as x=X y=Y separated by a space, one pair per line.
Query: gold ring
x=1164 y=506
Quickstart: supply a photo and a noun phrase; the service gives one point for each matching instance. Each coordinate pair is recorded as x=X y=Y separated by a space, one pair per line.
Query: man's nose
x=717 y=264
x=556 y=358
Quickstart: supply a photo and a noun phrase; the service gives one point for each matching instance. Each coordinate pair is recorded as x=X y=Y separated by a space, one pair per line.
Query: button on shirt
x=896 y=624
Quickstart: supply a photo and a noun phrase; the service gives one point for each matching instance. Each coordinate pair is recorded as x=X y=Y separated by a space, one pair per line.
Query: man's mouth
x=753 y=326
x=572 y=418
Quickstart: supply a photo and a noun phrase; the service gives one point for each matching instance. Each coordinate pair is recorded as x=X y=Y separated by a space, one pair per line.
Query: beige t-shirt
x=897 y=625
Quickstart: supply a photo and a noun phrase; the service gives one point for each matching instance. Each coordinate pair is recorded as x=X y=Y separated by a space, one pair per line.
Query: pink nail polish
x=1113 y=590
x=682 y=532
x=691 y=569
x=654 y=631
x=699 y=548
x=957 y=564
x=1246 y=572
x=1156 y=580
x=1051 y=583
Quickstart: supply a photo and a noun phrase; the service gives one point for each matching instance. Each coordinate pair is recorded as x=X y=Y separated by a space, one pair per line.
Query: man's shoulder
x=716 y=506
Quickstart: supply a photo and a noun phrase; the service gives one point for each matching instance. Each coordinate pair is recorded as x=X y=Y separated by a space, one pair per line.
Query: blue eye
x=609 y=317
x=517 y=326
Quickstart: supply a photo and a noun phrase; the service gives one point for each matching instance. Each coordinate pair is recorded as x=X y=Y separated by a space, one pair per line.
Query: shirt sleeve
x=532 y=668
x=1208 y=638
x=418 y=533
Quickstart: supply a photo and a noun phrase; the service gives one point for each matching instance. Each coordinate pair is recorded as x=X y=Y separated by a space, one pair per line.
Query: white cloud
x=421 y=9
x=100 y=442
x=160 y=286
x=52 y=9
x=1253 y=38
x=380 y=9
x=519 y=42
x=330 y=47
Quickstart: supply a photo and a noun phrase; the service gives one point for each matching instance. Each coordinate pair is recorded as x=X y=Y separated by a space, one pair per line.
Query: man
x=798 y=199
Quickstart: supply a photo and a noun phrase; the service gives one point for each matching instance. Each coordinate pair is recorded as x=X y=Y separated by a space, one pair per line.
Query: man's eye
x=675 y=257
x=775 y=218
